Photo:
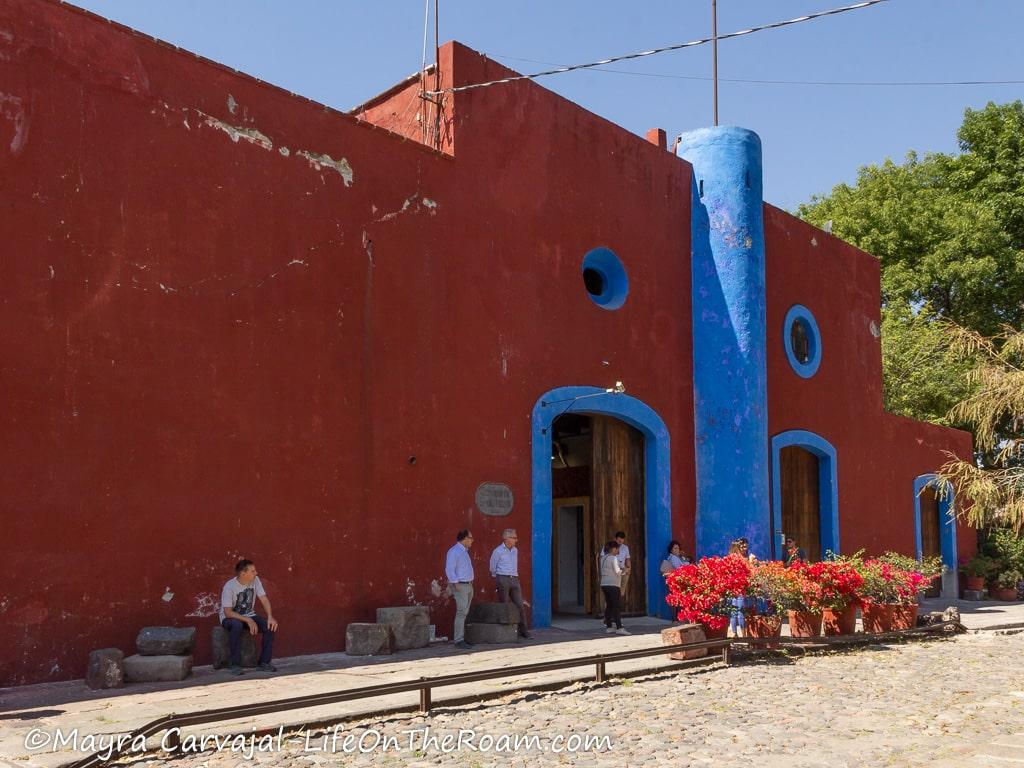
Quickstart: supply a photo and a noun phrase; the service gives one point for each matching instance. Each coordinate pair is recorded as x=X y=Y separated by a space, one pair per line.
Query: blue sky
x=341 y=52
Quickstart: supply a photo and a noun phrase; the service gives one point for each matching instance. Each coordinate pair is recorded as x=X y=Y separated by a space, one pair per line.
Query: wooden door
x=801 y=506
x=617 y=476
x=931 y=525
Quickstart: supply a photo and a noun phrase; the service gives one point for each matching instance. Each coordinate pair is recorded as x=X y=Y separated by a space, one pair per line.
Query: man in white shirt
x=238 y=613
x=504 y=568
x=458 y=568
x=624 y=562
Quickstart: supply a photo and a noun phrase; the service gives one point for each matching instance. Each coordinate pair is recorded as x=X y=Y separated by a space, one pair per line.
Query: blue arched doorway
x=657 y=485
x=935 y=528
x=827 y=487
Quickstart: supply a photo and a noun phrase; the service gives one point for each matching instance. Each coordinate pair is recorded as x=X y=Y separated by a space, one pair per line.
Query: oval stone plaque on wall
x=494 y=499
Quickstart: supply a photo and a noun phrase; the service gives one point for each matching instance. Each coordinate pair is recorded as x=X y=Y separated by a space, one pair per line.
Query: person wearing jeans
x=611 y=588
x=238 y=614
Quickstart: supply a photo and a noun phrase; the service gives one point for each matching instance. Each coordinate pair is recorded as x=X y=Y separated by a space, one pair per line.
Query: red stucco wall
x=879 y=454
x=219 y=347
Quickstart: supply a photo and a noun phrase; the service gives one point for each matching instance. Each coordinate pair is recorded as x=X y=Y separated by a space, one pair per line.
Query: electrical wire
x=772 y=82
x=665 y=49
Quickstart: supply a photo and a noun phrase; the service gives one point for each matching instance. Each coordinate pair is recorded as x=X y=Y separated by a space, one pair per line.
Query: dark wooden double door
x=616 y=503
x=799 y=474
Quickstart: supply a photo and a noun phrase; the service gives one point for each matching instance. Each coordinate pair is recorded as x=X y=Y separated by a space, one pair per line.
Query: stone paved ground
x=941 y=702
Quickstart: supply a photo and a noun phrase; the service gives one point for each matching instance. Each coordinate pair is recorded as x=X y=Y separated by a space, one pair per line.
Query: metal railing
x=425 y=685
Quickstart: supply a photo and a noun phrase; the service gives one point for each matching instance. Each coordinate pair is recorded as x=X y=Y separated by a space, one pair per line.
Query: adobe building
x=240 y=323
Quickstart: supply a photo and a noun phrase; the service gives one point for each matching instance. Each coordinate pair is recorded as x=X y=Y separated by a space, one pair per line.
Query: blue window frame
x=802 y=341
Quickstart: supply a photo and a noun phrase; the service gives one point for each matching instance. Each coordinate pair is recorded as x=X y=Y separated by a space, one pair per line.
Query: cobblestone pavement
x=940 y=702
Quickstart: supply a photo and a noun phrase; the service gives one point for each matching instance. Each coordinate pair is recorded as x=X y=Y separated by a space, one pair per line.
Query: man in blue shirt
x=458 y=568
x=504 y=568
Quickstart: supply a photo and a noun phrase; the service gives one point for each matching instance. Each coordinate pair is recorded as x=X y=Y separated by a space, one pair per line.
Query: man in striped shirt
x=504 y=568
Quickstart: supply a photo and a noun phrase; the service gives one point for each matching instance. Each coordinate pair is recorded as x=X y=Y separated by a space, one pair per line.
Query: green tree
x=949 y=232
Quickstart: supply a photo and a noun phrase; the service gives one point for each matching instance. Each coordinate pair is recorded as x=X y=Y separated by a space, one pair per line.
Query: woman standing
x=737 y=621
x=674 y=559
x=611 y=586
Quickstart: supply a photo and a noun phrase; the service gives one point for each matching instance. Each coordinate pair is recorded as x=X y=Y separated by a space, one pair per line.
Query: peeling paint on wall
x=12 y=109
x=232 y=105
x=167 y=595
x=250 y=135
x=207 y=604
x=320 y=161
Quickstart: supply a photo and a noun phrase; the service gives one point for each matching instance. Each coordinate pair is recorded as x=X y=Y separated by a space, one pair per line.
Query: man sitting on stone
x=238 y=613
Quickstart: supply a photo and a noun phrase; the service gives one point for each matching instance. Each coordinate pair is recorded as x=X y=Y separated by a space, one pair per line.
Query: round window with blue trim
x=802 y=341
x=604 y=278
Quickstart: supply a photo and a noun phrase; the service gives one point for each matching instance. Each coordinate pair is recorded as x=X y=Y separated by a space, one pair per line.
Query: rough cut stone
x=951 y=614
x=974 y=594
x=166 y=641
x=409 y=623
x=250 y=652
x=684 y=633
x=156 y=669
x=493 y=613
x=106 y=669
x=491 y=634
x=368 y=639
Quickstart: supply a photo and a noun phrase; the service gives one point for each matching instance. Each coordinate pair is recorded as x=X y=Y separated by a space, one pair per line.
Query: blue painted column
x=730 y=379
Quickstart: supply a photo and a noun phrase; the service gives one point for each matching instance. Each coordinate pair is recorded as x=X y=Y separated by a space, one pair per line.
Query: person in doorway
x=674 y=559
x=458 y=569
x=611 y=587
x=737 y=620
x=504 y=568
x=793 y=552
x=238 y=613
x=624 y=560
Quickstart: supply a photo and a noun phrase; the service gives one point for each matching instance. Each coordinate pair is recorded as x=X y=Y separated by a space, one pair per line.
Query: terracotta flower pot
x=840 y=622
x=715 y=634
x=804 y=624
x=1002 y=593
x=904 y=617
x=878 y=617
x=764 y=627
x=974 y=583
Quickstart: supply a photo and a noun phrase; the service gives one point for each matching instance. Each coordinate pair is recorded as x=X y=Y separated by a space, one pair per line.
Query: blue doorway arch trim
x=657 y=485
x=947 y=508
x=828 y=486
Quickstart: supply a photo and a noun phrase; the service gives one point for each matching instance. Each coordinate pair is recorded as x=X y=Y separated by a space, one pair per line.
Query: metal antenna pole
x=437 y=81
x=714 y=51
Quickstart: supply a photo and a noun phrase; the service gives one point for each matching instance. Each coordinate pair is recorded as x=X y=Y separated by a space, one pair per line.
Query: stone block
x=250 y=652
x=951 y=614
x=410 y=625
x=166 y=641
x=368 y=639
x=493 y=613
x=976 y=595
x=491 y=634
x=106 y=669
x=684 y=633
x=156 y=669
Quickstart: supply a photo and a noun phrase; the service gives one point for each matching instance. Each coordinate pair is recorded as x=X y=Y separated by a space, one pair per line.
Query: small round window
x=604 y=278
x=802 y=341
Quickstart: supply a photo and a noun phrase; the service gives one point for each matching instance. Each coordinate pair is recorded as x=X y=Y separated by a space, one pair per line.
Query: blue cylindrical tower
x=730 y=378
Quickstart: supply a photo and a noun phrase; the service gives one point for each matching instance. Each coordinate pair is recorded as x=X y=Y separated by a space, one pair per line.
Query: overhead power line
x=665 y=49
x=772 y=82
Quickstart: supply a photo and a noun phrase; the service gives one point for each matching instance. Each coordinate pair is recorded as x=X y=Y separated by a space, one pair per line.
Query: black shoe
x=525 y=636
x=268 y=667
x=463 y=644
x=235 y=671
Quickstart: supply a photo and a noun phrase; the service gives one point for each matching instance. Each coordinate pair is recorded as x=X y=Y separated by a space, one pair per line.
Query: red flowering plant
x=703 y=592
x=828 y=585
x=886 y=583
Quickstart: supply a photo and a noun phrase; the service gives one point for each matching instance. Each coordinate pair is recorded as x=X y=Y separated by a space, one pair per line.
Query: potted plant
x=703 y=592
x=1004 y=585
x=771 y=589
x=879 y=595
x=840 y=579
x=808 y=602
x=977 y=570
